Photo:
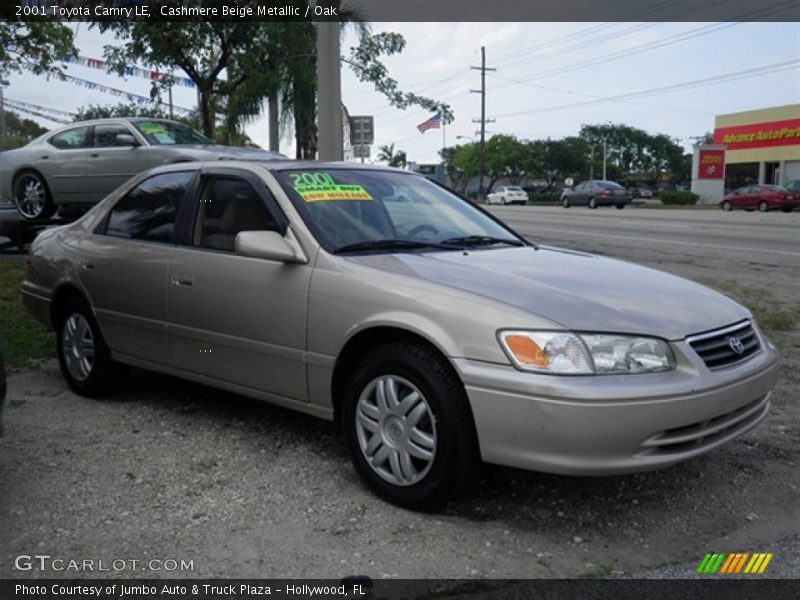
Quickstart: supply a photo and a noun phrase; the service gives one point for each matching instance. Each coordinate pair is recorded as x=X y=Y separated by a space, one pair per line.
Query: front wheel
x=620 y=206
x=763 y=206
x=726 y=206
x=408 y=426
x=592 y=203
x=31 y=196
x=565 y=202
x=83 y=355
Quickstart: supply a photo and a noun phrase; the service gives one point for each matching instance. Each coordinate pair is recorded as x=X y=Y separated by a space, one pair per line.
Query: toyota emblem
x=736 y=345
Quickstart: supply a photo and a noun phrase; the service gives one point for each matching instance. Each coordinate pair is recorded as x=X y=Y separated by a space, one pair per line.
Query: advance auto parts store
x=763 y=146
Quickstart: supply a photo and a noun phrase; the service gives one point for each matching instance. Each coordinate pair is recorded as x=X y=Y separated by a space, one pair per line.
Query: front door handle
x=94 y=155
x=87 y=266
x=182 y=282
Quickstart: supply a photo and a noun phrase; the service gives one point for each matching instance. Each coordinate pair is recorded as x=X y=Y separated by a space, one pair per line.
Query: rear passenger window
x=229 y=205
x=148 y=211
x=70 y=139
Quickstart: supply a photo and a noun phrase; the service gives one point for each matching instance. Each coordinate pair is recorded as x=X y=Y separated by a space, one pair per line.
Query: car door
x=234 y=318
x=126 y=262
x=111 y=163
x=579 y=196
x=62 y=161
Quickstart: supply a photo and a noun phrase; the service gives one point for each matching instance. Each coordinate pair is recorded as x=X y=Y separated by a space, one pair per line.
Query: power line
x=724 y=78
x=595 y=96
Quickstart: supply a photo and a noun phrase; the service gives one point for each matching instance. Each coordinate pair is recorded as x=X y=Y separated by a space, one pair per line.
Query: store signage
x=759 y=135
x=711 y=164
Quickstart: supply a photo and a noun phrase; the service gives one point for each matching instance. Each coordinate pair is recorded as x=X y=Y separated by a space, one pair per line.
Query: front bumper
x=603 y=425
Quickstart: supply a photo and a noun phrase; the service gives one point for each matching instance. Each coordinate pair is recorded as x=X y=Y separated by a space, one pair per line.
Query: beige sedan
x=430 y=331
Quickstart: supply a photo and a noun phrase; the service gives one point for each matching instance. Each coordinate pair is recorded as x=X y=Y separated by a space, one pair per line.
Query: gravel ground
x=173 y=470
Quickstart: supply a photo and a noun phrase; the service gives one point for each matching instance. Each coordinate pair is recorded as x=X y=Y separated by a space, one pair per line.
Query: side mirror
x=270 y=245
x=126 y=139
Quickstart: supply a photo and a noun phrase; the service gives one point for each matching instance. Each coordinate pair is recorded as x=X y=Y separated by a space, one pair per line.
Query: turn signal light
x=526 y=351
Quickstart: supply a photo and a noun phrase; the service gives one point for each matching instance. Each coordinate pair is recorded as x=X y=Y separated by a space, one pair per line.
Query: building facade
x=761 y=146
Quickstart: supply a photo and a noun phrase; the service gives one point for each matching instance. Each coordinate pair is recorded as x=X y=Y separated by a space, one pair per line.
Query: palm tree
x=390 y=157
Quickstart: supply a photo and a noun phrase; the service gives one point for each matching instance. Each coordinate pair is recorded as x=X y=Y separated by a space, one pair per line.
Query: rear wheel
x=726 y=206
x=620 y=206
x=592 y=203
x=763 y=206
x=83 y=355
x=31 y=196
x=408 y=426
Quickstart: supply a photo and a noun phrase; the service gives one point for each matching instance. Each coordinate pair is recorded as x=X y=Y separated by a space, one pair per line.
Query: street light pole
x=605 y=152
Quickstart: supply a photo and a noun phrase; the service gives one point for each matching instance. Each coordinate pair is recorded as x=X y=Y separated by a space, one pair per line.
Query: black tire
x=787 y=209
x=455 y=454
x=726 y=206
x=565 y=202
x=592 y=203
x=763 y=206
x=32 y=196
x=620 y=206
x=104 y=374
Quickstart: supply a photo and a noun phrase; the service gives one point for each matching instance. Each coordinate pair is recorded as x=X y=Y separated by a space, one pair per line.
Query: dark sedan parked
x=762 y=197
x=594 y=193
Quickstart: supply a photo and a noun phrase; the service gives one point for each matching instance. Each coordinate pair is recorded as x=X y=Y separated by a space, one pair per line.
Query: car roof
x=280 y=164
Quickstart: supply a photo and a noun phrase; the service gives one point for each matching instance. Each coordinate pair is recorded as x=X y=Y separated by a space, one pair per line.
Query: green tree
x=20 y=131
x=460 y=164
x=388 y=155
x=36 y=46
x=203 y=50
x=108 y=111
x=559 y=159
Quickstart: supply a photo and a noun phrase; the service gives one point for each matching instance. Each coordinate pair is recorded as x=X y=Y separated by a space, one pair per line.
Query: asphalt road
x=171 y=470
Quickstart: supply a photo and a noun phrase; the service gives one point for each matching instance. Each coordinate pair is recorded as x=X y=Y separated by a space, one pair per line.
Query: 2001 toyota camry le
x=433 y=333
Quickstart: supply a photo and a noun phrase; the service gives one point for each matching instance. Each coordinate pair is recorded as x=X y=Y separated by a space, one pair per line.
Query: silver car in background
x=83 y=162
x=430 y=331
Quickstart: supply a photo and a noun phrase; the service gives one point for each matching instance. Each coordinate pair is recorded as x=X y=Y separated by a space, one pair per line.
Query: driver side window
x=227 y=206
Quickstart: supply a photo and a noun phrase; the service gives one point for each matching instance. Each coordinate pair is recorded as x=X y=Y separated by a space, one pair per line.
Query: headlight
x=566 y=353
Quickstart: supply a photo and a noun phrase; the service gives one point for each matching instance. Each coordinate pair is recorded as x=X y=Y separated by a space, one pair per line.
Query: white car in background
x=507 y=194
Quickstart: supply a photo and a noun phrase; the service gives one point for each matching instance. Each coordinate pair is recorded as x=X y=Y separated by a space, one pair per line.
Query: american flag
x=433 y=123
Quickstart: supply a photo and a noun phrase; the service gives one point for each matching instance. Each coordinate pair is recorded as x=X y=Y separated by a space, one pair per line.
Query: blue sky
x=542 y=68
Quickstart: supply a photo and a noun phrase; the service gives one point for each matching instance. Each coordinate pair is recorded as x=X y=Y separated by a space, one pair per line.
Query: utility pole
x=329 y=91
x=483 y=120
x=605 y=151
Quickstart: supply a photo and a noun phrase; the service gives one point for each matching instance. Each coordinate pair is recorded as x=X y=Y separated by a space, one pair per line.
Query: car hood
x=579 y=291
x=231 y=152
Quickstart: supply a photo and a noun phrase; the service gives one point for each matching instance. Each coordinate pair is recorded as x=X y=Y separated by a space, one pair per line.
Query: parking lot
x=173 y=470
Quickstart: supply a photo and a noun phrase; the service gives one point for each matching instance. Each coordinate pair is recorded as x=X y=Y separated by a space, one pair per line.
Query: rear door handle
x=44 y=156
x=182 y=282
x=94 y=155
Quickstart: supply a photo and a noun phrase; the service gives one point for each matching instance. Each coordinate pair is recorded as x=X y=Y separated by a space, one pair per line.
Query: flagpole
x=444 y=134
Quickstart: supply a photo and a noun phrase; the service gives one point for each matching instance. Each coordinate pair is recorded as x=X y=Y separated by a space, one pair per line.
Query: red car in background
x=763 y=197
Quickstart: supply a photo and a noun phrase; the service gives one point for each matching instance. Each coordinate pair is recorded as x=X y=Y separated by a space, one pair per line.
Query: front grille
x=727 y=346
x=680 y=440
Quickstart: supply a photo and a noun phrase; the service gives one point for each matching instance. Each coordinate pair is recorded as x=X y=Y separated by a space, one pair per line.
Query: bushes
x=675 y=197
x=544 y=197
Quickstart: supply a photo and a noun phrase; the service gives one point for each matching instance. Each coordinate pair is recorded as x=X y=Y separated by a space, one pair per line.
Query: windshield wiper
x=392 y=244
x=481 y=240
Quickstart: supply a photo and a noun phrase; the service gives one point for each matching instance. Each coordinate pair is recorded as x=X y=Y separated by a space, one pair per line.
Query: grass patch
x=22 y=338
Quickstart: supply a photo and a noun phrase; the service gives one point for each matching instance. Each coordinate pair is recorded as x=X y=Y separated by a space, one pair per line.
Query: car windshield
x=363 y=210
x=169 y=133
x=514 y=189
